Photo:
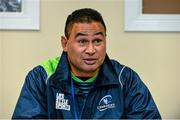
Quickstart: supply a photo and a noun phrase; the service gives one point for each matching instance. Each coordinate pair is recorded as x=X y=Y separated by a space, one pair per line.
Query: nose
x=90 y=49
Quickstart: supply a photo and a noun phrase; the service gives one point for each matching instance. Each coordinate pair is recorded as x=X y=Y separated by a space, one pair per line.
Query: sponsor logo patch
x=62 y=103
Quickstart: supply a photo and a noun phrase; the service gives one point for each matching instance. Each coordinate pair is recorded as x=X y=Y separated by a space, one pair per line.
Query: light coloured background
x=154 y=55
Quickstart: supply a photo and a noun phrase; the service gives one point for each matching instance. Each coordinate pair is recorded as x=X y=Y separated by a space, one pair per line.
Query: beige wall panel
x=1 y=99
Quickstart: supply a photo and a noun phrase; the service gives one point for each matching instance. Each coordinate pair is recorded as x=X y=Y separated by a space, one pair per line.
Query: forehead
x=88 y=28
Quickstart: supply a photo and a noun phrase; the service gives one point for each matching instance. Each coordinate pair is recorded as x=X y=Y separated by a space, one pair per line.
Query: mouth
x=90 y=61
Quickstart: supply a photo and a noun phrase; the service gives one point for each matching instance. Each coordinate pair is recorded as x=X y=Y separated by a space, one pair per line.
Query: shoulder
x=126 y=74
x=121 y=68
x=129 y=79
x=42 y=72
x=50 y=65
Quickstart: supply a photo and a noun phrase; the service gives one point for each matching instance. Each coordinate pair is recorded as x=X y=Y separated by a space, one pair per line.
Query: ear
x=64 y=43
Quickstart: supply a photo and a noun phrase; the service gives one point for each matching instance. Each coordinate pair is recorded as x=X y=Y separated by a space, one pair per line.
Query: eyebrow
x=80 y=34
x=99 y=33
x=84 y=34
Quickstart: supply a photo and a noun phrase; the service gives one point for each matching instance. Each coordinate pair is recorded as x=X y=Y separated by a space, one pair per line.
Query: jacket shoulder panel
x=121 y=70
x=124 y=72
x=50 y=65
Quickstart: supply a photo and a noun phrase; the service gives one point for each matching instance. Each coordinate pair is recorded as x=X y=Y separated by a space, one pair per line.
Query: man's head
x=85 y=15
x=85 y=41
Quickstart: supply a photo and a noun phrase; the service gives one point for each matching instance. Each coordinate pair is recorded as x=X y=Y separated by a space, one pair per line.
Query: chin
x=91 y=70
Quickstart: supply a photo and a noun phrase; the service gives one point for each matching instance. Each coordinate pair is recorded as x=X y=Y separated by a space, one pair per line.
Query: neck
x=85 y=74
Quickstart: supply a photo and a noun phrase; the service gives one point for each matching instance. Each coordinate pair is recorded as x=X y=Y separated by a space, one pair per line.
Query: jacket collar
x=107 y=74
x=62 y=77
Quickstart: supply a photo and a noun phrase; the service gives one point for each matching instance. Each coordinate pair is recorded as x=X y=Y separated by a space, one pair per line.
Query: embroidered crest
x=105 y=103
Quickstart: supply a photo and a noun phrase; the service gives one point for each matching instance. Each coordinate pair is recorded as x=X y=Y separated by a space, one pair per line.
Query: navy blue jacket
x=118 y=92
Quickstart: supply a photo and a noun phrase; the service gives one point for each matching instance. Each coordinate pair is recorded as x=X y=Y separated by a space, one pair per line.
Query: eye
x=82 y=42
x=97 y=42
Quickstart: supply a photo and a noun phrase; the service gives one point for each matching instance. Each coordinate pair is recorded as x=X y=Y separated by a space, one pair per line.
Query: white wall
x=154 y=55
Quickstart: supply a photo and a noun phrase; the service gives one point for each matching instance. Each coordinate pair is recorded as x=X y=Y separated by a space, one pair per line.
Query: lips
x=90 y=61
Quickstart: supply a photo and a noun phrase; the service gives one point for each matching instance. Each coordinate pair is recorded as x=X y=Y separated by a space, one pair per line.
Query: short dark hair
x=84 y=15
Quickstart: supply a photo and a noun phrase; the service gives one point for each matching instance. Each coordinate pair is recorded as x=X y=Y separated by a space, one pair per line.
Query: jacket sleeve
x=32 y=99
x=139 y=103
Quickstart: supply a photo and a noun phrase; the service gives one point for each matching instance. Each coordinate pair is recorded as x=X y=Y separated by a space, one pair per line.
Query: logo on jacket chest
x=62 y=103
x=105 y=103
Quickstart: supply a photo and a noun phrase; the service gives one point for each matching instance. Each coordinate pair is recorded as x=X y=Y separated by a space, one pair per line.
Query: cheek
x=71 y=48
x=74 y=51
x=102 y=53
x=102 y=50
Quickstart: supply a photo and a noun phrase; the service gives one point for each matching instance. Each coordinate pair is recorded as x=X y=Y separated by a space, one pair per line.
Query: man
x=84 y=83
